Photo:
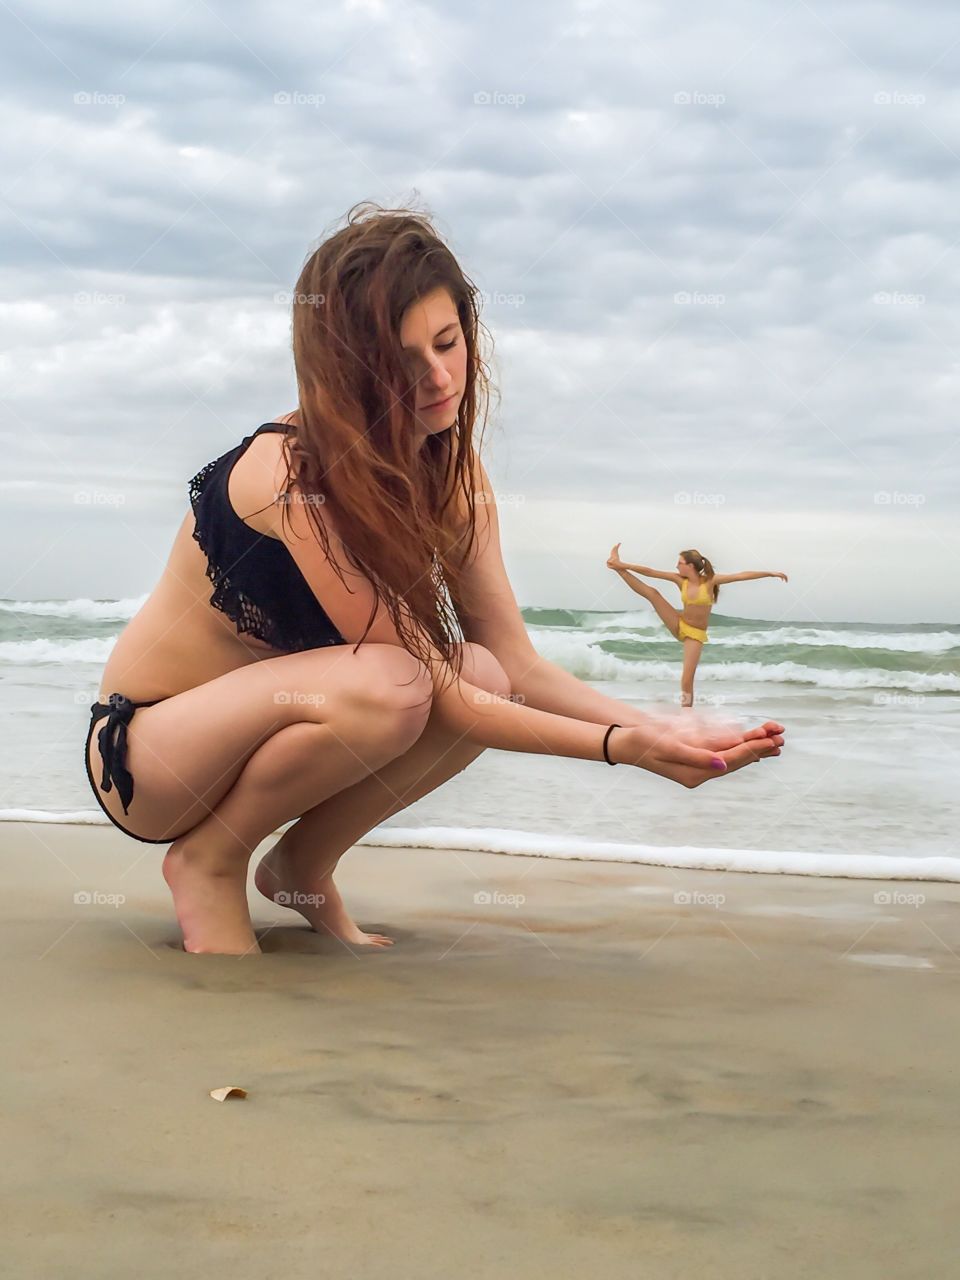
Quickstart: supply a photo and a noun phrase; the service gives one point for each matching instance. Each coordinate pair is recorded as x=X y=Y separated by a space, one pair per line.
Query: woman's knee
x=404 y=681
x=480 y=668
x=394 y=689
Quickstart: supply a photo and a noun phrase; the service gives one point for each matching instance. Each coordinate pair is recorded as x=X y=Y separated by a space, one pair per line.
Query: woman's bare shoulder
x=257 y=481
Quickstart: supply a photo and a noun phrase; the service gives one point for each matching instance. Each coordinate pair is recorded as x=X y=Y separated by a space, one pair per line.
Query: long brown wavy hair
x=703 y=567
x=404 y=513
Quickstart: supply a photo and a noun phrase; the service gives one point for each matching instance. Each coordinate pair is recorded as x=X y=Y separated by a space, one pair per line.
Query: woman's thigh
x=186 y=752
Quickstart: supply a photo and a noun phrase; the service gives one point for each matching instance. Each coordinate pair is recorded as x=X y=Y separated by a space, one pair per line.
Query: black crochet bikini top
x=257 y=583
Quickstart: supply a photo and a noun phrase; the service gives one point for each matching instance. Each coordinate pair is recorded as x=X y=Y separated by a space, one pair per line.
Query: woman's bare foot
x=211 y=904
x=314 y=895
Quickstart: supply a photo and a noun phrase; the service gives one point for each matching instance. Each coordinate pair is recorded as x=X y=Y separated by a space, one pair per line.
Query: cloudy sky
x=719 y=250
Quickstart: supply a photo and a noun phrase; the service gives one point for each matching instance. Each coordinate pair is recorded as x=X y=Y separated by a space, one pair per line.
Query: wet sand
x=596 y=1079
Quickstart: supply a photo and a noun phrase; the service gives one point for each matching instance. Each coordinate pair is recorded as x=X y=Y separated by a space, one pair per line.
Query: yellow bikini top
x=703 y=596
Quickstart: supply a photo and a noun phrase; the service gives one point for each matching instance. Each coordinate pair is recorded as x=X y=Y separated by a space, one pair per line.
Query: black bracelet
x=606 y=739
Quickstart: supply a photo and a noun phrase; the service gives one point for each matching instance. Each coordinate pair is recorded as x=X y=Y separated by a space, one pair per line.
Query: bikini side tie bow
x=112 y=743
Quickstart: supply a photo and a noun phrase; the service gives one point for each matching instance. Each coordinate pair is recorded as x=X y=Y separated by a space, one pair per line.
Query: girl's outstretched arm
x=721 y=578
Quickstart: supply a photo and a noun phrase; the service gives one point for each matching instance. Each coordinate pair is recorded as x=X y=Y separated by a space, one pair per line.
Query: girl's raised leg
x=668 y=615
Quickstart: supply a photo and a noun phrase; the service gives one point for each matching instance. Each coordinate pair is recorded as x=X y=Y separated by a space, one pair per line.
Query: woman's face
x=436 y=359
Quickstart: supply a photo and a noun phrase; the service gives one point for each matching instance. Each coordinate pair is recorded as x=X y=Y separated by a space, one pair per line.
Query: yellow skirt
x=692 y=633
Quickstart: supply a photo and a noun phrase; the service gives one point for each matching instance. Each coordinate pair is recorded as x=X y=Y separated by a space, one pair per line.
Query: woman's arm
x=542 y=683
x=722 y=578
x=500 y=627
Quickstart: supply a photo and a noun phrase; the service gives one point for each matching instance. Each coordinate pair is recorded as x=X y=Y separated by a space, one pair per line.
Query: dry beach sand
x=597 y=1079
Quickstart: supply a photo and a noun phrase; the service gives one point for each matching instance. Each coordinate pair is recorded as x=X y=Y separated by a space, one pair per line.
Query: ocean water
x=864 y=788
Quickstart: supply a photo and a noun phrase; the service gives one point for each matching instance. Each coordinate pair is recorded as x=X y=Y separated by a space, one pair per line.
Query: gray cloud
x=718 y=255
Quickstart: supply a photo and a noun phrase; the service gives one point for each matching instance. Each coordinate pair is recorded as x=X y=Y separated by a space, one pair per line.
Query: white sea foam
x=894 y=641
x=535 y=844
x=814 y=638
x=66 y=817
x=82 y=609
x=577 y=655
x=826 y=678
x=632 y=621
x=34 y=652
x=570 y=650
x=574 y=651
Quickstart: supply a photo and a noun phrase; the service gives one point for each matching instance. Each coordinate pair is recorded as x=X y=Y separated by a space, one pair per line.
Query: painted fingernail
x=718 y=763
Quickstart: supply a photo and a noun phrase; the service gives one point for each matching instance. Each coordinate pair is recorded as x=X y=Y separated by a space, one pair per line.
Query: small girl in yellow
x=693 y=570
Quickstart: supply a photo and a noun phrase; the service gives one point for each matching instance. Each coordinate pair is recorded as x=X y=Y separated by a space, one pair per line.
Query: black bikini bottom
x=112 y=742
